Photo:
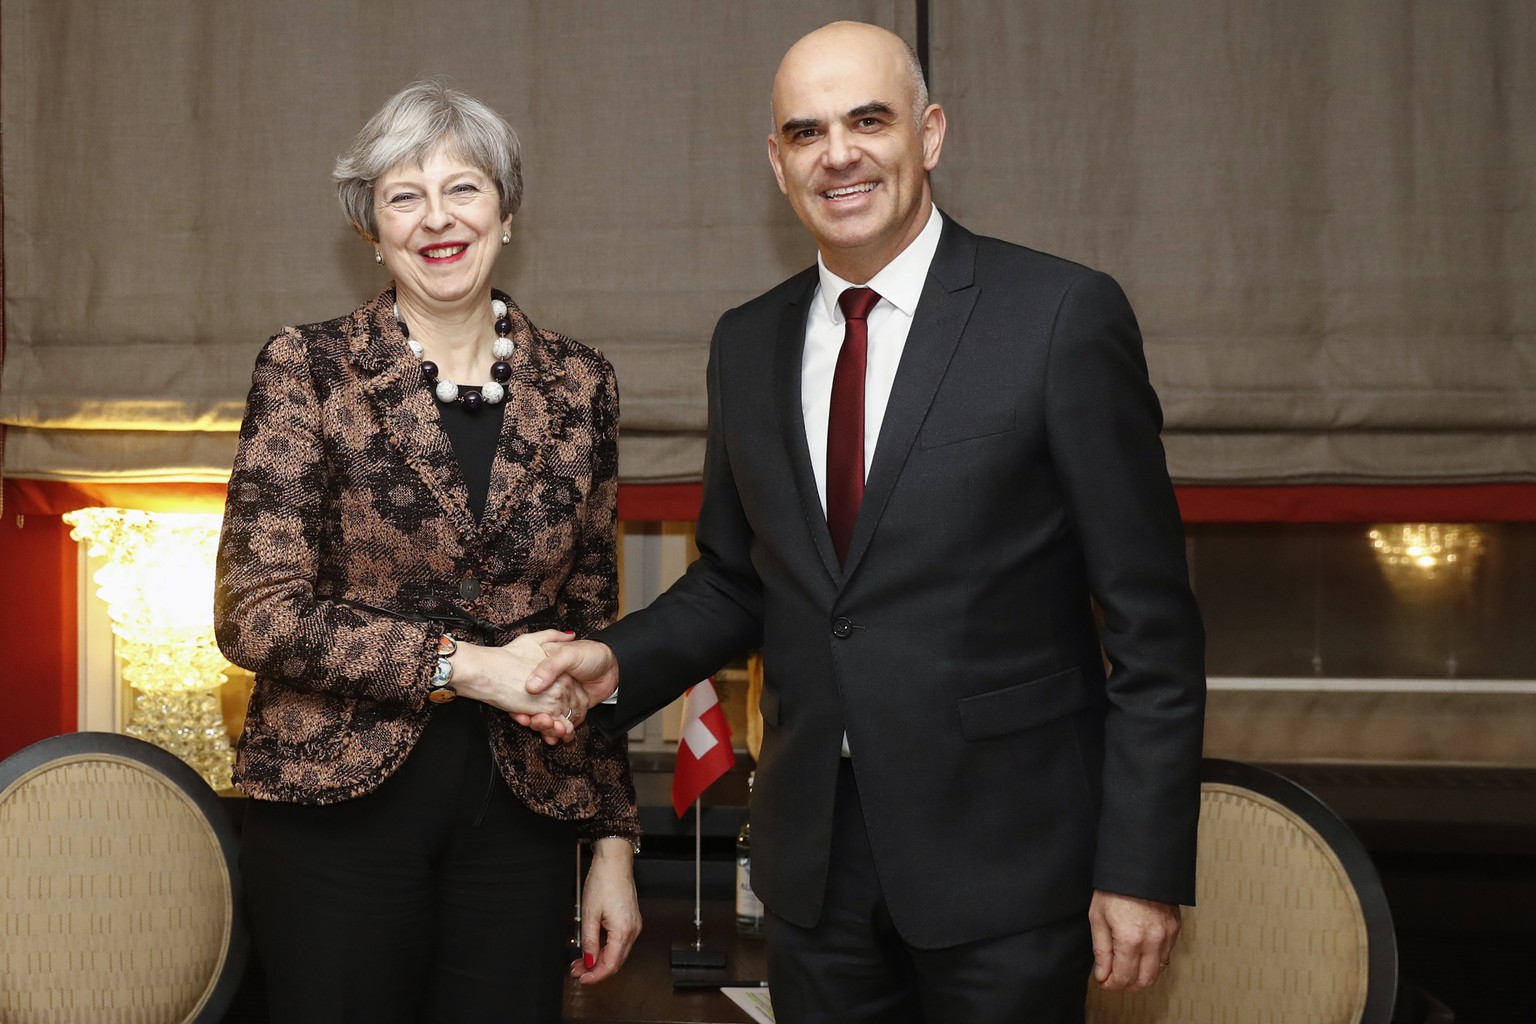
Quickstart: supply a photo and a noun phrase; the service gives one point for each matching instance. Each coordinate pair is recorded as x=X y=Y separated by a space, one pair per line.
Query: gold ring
x=568 y=713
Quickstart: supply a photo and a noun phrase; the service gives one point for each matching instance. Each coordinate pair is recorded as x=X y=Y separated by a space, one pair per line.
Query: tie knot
x=857 y=302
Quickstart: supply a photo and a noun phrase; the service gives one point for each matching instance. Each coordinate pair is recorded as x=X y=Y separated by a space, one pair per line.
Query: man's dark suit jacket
x=1018 y=474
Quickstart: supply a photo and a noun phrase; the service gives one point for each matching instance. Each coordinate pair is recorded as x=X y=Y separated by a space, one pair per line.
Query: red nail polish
x=589 y=960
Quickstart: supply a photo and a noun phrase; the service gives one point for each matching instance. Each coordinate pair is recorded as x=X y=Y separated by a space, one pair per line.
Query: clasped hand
x=499 y=677
x=582 y=672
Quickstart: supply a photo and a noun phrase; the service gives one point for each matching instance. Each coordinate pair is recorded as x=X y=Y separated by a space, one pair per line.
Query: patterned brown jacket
x=345 y=487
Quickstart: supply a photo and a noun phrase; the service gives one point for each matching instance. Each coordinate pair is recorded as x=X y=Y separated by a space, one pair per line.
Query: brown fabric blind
x=168 y=203
x=1321 y=210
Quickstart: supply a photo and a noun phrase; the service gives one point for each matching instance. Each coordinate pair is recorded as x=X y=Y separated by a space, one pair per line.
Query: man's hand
x=585 y=669
x=1132 y=939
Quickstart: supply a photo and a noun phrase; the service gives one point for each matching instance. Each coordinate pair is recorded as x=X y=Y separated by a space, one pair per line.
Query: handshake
x=547 y=681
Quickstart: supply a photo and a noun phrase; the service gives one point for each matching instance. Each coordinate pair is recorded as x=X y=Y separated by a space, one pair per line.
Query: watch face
x=442 y=696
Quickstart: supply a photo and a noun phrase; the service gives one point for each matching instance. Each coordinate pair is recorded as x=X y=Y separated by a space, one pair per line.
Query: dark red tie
x=845 y=420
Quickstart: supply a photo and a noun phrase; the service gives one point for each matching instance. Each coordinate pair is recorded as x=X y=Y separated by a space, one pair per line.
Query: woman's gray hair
x=413 y=123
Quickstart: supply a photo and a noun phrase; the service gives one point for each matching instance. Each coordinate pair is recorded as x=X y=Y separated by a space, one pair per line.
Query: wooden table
x=642 y=992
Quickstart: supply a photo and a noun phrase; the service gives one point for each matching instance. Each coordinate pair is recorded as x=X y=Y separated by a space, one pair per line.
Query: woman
x=424 y=490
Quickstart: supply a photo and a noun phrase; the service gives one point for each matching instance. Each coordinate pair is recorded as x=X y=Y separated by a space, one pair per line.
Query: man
x=951 y=798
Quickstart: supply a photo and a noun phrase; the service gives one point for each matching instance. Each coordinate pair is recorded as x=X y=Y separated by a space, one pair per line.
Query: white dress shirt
x=899 y=284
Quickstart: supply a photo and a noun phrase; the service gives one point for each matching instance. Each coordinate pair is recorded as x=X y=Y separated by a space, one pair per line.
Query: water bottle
x=749 y=909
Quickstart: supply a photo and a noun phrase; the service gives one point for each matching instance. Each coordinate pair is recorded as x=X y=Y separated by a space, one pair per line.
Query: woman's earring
x=505 y=238
x=378 y=257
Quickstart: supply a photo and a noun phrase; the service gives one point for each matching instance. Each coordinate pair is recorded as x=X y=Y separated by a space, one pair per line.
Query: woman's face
x=439 y=228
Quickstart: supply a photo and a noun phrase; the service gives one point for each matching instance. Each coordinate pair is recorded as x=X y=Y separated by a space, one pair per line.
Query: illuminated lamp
x=157 y=584
x=1415 y=557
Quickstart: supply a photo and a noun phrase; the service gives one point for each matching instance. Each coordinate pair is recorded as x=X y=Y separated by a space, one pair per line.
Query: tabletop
x=643 y=992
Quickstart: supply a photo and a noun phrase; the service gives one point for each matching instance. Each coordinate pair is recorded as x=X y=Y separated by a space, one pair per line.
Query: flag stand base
x=693 y=956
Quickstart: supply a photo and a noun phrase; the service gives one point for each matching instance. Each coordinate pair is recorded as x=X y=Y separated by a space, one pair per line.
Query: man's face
x=846 y=151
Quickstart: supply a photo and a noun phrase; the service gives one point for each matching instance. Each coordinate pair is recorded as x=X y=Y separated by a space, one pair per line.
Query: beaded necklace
x=493 y=391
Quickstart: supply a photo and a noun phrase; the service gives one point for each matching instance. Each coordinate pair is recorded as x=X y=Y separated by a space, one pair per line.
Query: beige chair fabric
x=118 y=902
x=1279 y=933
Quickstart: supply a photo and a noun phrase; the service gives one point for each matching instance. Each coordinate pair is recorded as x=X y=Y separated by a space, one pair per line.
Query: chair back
x=1291 y=924
x=119 y=895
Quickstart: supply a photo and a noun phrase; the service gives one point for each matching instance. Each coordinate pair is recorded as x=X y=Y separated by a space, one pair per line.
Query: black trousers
x=438 y=897
x=853 y=967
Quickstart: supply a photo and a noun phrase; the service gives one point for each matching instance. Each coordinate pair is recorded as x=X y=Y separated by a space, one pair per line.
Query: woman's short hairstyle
x=413 y=123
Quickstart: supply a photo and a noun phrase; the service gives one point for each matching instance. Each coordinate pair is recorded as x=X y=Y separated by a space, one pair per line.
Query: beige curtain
x=1322 y=210
x=168 y=203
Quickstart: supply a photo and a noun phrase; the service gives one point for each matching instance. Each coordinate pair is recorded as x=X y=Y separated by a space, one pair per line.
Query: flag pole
x=693 y=955
x=698 y=873
x=576 y=931
x=704 y=754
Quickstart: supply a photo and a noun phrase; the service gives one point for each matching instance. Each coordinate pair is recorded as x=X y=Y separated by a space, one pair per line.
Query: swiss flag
x=704 y=753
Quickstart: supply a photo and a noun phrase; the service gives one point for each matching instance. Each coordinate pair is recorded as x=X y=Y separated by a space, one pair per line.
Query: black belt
x=461 y=624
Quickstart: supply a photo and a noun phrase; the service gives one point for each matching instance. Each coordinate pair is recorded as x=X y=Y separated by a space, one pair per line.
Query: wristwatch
x=442 y=676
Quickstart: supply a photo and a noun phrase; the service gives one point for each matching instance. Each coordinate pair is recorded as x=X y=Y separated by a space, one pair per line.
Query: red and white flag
x=704 y=753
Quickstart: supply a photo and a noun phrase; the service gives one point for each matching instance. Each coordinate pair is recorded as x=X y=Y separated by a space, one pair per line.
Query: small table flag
x=704 y=753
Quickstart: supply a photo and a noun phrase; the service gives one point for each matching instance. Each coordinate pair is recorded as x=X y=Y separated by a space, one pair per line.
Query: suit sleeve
x=1104 y=423
x=714 y=612
x=266 y=616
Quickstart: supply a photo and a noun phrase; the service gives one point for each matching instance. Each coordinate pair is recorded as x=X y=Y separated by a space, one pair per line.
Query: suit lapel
x=942 y=312
x=391 y=380
x=789 y=347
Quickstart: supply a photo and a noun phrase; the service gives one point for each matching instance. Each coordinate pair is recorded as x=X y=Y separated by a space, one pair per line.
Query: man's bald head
x=839 y=36
x=854 y=138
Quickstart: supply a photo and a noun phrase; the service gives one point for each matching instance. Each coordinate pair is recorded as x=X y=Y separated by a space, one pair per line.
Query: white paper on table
x=754 y=1001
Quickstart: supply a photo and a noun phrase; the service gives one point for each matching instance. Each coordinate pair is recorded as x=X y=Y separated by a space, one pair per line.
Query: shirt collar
x=899 y=282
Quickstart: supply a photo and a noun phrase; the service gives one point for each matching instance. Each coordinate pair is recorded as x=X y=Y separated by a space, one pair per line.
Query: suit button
x=842 y=628
x=469 y=588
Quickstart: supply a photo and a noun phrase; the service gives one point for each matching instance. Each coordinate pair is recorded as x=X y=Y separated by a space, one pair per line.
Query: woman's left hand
x=610 y=911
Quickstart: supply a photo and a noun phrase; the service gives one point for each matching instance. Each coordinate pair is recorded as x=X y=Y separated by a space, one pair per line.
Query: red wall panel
x=38 y=632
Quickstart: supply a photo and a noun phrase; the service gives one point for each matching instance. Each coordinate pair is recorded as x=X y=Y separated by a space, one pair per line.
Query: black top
x=473 y=436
